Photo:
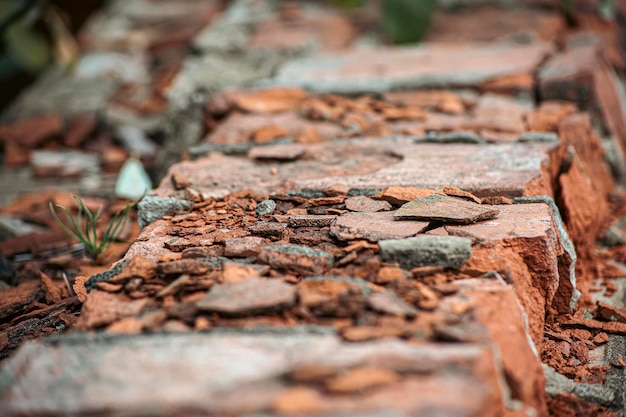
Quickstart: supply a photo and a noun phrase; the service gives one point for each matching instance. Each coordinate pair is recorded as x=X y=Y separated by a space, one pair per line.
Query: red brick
x=523 y=245
x=440 y=378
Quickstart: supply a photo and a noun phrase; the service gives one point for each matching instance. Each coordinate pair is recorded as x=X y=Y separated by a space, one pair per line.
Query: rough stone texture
x=265 y=207
x=374 y=227
x=310 y=220
x=445 y=209
x=296 y=258
x=424 y=66
x=106 y=375
x=496 y=307
x=151 y=242
x=580 y=74
x=511 y=169
x=490 y=171
x=366 y=204
x=244 y=246
x=446 y=251
x=523 y=245
x=152 y=208
x=248 y=296
x=559 y=384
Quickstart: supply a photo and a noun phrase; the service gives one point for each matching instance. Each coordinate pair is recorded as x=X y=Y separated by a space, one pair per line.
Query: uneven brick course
x=347 y=230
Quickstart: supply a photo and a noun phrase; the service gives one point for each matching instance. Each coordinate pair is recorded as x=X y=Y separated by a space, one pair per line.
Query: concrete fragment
x=152 y=208
x=558 y=384
x=265 y=207
x=446 y=251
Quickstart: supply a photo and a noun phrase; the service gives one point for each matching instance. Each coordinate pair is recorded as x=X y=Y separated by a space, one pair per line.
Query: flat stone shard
x=427 y=250
x=296 y=258
x=366 y=204
x=152 y=208
x=265 y=207
x=243 y=374
x=445 y=209
x=374 y=227
x=310 y=220
x=248 y=296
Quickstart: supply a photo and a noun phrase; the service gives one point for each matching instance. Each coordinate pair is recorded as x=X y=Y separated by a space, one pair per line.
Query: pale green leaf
x=29 y=49
x=407 y=21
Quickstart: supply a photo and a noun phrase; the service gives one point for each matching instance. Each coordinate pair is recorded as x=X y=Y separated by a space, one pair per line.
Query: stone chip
x=445 y=209
x=427 y=250
x=296 y=258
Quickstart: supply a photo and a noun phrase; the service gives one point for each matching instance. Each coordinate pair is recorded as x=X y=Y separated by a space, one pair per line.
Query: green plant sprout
x=83 y=228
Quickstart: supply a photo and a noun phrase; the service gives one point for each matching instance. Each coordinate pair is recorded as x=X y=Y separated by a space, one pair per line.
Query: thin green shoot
x=83 y=228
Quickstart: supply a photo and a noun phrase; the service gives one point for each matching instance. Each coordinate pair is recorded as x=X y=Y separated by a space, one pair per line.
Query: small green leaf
x=407 y=21
x=348 y=4
x=29 y=49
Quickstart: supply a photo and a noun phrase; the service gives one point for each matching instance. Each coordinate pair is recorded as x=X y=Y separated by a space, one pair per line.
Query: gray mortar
x=300 y=250
x=182 y=129
x=564 y=237
x=538 y=137
x=152 y=208
x=446 y=251
x=311 y=193
x=106 y=275
x=594 y=393
x=451 y=137
x=615 y=379
x=231 y=31
x=213 y=262
x=350 y=280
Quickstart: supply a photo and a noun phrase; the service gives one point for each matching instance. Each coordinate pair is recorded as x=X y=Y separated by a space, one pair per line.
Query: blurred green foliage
x=407 y=21
x=349 y=4
x=24 y=45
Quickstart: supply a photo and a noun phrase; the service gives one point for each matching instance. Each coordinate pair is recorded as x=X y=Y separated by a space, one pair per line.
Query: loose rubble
x=337 y=229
